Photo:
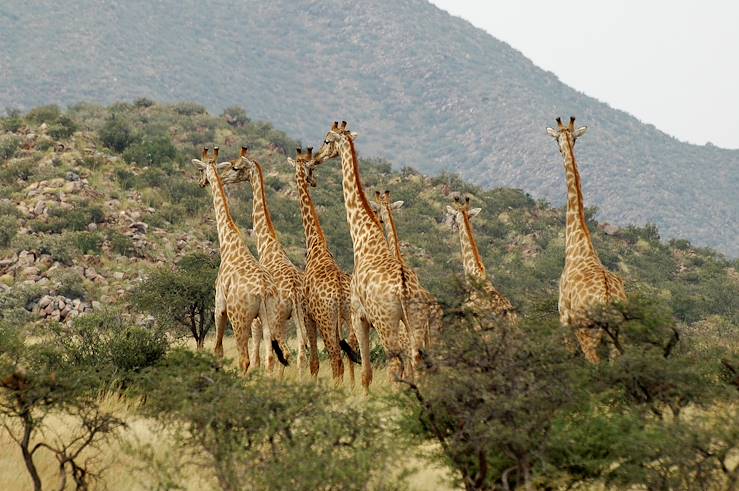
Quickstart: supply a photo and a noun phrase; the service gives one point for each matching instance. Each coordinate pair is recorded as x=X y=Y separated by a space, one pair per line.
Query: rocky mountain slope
x=94 y=198
x=425 y=89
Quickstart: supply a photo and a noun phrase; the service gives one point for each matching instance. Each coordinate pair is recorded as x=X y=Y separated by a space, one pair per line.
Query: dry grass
x=122 y=470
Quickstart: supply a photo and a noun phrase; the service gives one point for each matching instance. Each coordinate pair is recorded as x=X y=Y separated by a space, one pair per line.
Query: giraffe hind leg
x=589 y=340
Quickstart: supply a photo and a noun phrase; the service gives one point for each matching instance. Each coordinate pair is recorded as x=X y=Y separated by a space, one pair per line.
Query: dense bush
x=44 y=114
x=151 y=150
x=76 y=219
x=9 y=144
x=117 y=134
x=512 y=408
x=268 y=433
x=62 y=127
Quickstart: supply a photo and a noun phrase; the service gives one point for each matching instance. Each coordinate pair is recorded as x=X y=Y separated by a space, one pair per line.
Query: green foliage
x=9 y=144
x=121 y=244
x=12 y=123
x=151 y=150
x=88 y=242
x=272 y=434
x=235 y=116
x=62 y=128
x=71 y=285
x=75 y=219
x=16 y=169
x=8 y=229
x=44 y=114
x=182 y=297
x=117 y=134
x=511 y=408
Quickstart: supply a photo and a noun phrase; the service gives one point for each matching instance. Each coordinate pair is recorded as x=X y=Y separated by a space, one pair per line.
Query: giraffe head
x=460 y=213
x=238 y=170
x=330 y=147
x=566 y=136
x=205 y=166
x=383 y=207
x=304 y=164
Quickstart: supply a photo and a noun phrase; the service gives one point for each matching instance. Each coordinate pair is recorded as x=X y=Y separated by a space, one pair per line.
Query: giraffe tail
x=275 y=343
x=354 y=356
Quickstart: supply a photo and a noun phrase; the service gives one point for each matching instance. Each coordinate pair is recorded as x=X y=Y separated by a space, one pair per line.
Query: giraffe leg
x=354 y=344
x=242 y=332
x=589 y=340
x=311 y=332
x=361 y=327
x=257 y=328
x=221 y=319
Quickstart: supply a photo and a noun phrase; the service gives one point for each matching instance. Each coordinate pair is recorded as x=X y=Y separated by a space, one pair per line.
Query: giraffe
x=379 y=285
x=483 y=294
x=245 y=291
x=325 y=285
x=287 y=278
x=585 y=282
x=428 y=309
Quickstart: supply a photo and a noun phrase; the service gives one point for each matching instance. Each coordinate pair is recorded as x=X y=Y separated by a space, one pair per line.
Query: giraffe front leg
x=257 y=330
x=221 y=319
x=589 y=339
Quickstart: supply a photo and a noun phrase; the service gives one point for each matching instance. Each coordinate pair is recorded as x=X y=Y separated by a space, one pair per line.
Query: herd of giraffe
x=259 y=296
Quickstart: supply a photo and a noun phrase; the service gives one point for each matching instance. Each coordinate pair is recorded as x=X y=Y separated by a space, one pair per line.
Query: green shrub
x=71 y=285
x=117 y=134
x=189 y=109
x=235 y=116
x=77 y=219
x=62 y=128
x=88 y=242
x=9 y=145
x=44 y=114
x=121 y=244
x=17 y=169
x=154 y=150
x=11 y=123
x=8 y=229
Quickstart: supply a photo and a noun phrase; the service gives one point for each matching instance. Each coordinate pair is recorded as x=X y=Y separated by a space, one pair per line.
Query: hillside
x=424 y=89
x=96 y=197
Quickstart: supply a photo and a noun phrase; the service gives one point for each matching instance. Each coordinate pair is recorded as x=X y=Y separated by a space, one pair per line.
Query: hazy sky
x=674 y=64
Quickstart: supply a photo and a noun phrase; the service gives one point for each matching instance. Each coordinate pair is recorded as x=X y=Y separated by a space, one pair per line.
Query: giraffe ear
x=354 y=135
x=580 y=131
x=375 y=206
x=474 y=212
x=291 y=162
x=396 y=205
x=223 y=165
x=198 y=163
x=553 y=133
x=450 y=210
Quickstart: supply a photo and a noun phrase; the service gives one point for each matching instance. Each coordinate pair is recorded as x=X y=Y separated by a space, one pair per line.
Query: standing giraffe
x=325 y=285
x=288 y=279
x=585 y=283
x=379 y=285
x=483 y=294
x=428 y=309
x=244 y=289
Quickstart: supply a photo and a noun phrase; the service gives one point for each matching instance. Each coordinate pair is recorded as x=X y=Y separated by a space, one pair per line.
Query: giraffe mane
x=226 y=207
x=267 y=214
x=578 y=189
x=360 y=188
x=473 y=242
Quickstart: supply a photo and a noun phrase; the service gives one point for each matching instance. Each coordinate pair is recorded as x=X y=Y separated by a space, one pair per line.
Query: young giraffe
x=288 y=279
x=585 y=282
x=483 y=294
x=379 y=285
x=244 y=289
x=325 y=285
x=428 y=309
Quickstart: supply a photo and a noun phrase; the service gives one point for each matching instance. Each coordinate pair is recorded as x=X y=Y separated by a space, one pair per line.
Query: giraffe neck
x=471 y=259
x=228 y=231
x=314 y=238
x=365 y=230
x=391 y=231
x=577 y=235
x=261 y=218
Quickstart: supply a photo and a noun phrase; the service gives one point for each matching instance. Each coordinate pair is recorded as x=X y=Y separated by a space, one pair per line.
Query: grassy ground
x=123 y=471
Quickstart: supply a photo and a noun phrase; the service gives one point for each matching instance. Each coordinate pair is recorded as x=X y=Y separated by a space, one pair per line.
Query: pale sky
x=674 y=64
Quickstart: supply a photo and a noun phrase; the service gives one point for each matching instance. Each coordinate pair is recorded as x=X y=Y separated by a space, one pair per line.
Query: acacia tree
x=182 y=297
x=512 y=408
